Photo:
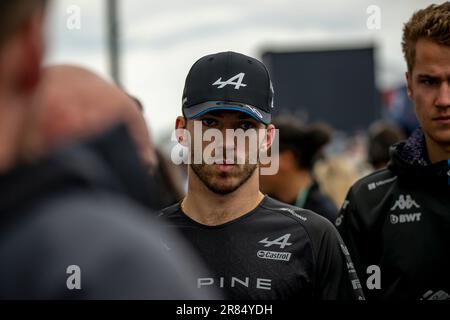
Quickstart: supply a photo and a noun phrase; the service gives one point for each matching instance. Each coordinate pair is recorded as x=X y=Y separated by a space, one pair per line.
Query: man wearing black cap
x=255 y=247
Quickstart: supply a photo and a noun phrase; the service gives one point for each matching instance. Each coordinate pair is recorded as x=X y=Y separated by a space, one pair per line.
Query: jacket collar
x=414 y=151
x=409 y=158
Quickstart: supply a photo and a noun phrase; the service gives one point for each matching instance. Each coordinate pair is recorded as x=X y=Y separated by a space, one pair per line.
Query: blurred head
x=300 y=148
x=73 y=103
x=21 y=37
x=426 y=45
x=21 y=52
x=382 y=135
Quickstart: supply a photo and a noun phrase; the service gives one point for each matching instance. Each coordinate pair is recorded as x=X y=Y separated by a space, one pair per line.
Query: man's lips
x=226 y=162
x=442 y=119
x=225 y=167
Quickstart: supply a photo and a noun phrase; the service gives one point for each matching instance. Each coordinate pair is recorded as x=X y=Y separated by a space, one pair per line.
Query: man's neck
x=211 y=209
x=437 y=152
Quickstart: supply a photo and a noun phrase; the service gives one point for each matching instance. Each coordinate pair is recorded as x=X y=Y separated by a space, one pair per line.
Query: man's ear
x=270 y=136
x=181 y=132
x=409 y=83
x=180 y=123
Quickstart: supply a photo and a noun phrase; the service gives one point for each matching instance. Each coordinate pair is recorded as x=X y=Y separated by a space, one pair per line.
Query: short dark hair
x=305 y=142
x=13 y=13
x=431 y=23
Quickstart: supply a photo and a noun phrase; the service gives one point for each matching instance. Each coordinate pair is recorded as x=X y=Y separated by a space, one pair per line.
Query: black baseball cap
x=228 y=81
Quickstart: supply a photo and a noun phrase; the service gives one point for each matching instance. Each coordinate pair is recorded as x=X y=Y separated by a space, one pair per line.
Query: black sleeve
x=335 y=274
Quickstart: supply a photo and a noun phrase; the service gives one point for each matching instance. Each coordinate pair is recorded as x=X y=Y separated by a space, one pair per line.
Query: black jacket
x=88 y=206
x=276 y=251
x=399 y=220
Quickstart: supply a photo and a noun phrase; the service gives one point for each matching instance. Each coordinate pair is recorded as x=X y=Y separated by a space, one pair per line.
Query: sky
x=160 y=40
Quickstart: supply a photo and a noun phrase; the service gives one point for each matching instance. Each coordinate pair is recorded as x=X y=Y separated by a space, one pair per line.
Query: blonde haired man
x=396 y=222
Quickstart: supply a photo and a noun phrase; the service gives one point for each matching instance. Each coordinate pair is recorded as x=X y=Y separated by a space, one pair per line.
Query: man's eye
x=429 y=82
x=208 y=122
x=247 y=125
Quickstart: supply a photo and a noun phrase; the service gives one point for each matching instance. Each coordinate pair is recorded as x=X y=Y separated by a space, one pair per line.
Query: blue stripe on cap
x=198 y=115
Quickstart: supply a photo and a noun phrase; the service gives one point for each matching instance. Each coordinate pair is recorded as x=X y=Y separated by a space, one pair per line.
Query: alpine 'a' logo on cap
x=235 y=81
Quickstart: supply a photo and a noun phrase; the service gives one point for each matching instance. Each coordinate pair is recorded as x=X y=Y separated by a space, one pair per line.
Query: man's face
x=429 y=89
x=227 y=176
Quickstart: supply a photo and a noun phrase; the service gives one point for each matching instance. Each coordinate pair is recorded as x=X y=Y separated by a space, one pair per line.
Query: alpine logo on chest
x=281 y=242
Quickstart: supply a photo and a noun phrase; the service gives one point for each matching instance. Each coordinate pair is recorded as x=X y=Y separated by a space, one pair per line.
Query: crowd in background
x=82 y=180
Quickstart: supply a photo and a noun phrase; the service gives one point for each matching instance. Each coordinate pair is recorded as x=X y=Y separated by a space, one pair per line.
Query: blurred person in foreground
x=396 y=222
x=69 y=106
x=70 y=229
x=170 y=180
x=167 y=176
x=81 y=113
x=256 y=247
x=73 y=104
x=300 y=148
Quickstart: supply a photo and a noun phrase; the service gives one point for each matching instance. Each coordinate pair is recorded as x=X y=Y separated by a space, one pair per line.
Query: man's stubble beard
x=243 y=174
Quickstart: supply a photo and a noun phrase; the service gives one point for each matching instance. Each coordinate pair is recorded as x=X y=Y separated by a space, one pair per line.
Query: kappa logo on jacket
x=405 y=202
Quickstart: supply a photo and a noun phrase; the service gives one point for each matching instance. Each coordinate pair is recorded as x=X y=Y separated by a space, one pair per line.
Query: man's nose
x=443 y=98
x=228 y=139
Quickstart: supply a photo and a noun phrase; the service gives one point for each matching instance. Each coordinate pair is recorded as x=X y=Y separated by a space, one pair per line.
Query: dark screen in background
x=335 y=86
